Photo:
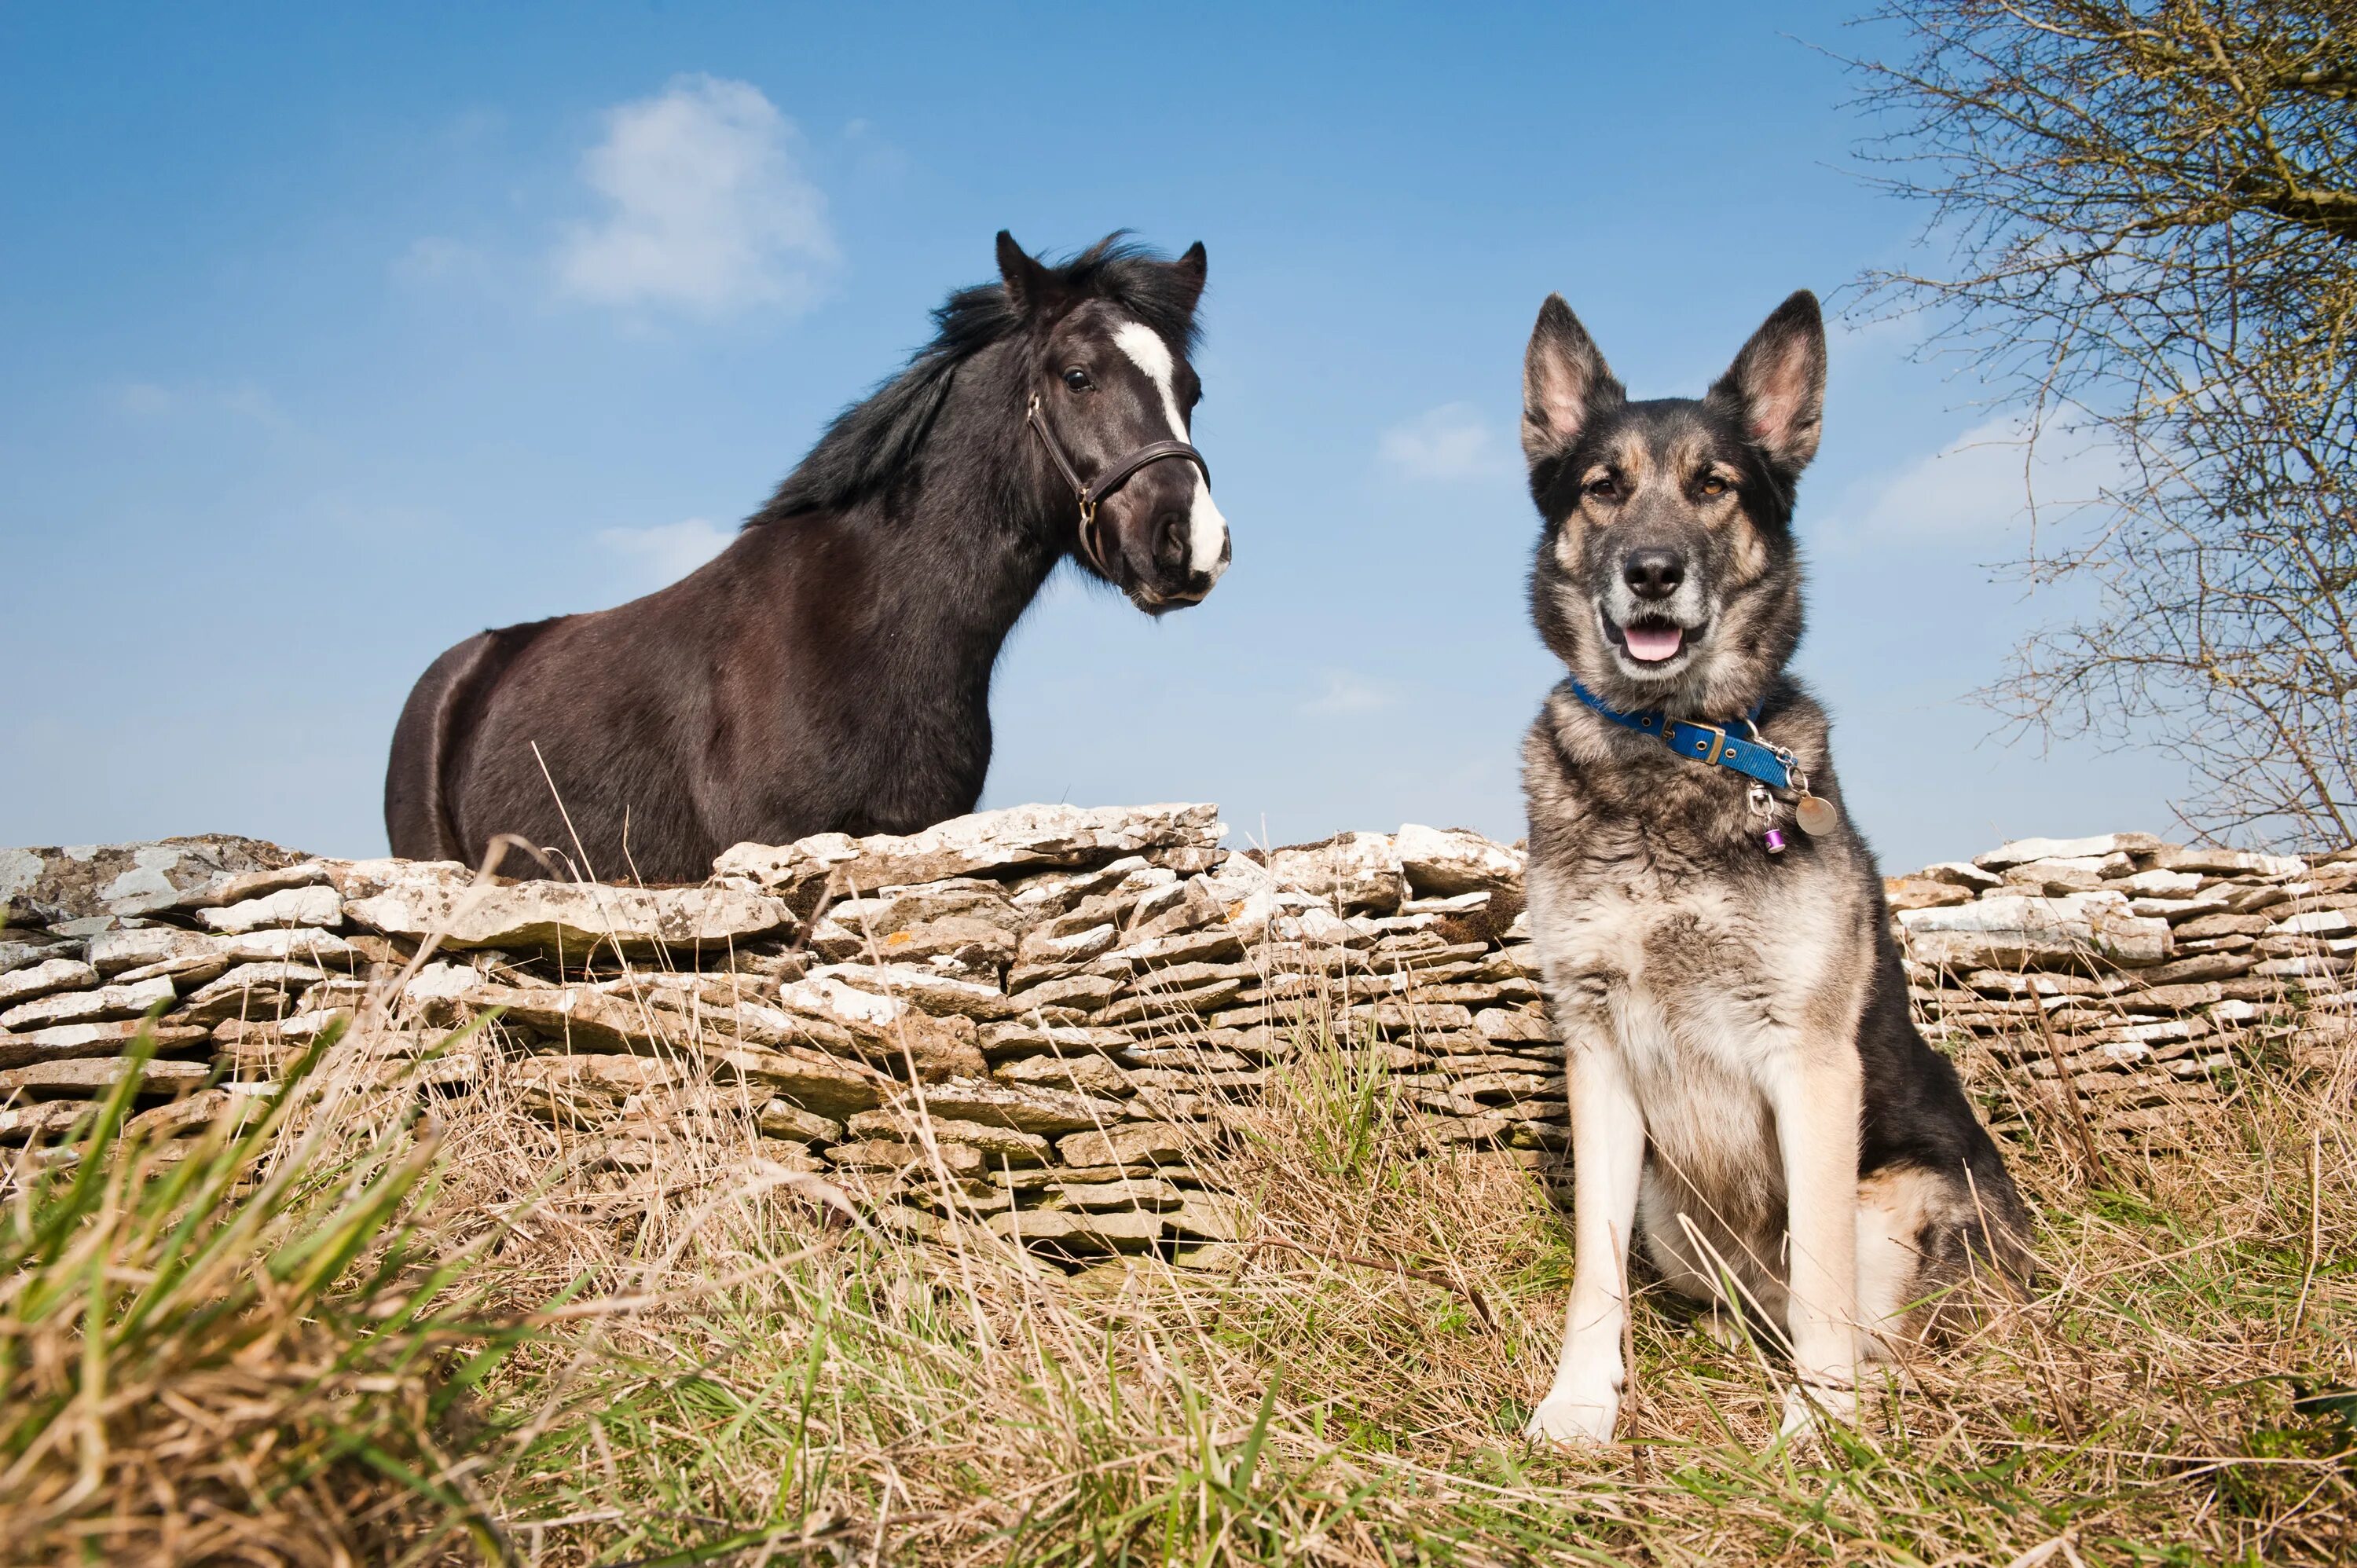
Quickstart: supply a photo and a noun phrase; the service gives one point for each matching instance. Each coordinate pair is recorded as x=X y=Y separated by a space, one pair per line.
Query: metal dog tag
x=1817 y=815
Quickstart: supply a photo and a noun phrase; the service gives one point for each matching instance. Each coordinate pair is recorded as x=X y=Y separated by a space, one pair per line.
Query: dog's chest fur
x=1655 y=909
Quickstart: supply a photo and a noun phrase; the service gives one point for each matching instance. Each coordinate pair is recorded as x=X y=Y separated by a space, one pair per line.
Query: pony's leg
x=1607 y=1151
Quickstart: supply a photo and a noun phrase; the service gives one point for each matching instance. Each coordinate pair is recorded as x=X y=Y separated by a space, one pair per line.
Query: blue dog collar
x=1710 y=744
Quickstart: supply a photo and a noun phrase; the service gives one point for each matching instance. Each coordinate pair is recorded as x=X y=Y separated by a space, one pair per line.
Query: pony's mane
x=871 y=443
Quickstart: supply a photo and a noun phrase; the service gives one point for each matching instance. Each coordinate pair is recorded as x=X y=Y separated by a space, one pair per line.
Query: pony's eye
x=1712 y=485
x=1078 y=380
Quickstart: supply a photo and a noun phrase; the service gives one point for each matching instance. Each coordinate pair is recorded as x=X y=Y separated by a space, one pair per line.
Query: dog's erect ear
x=1777 y=385
x=1190 y=270
x=1566 y=382
x=1028 y=283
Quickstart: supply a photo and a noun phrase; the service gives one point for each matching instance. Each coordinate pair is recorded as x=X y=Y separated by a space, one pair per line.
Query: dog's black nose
x=1653 y=574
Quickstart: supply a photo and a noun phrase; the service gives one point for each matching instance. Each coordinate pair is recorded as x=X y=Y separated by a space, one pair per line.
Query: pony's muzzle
x=1190 y=584
x=1173 y=538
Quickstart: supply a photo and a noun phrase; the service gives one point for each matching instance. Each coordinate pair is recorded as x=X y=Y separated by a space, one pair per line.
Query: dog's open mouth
x=1650 y=641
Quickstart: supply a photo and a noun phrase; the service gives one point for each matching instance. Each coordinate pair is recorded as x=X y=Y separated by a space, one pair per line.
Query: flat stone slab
x=2005 y=931
x=573 y=918
x=1358 y=873
x=805 y=1078
x=931 y=993
x=23 y=949
x=63 y=1041
x=317 y=905
x=1016 y=838
x=903 y=1124
x=292 y=943
x=83 y=881
x=1026 y=1109
x=2022 y=852
x=249 y=991
x=1130 y=1143
x=1442 y=862
x=1151 y=1194
x=1119 y=1232
x=41 y=978
x=112 y=952
x=86 y=1077
x=40 y=1119
x=88 y=1007
x=880 y=1027
x=584 y=1017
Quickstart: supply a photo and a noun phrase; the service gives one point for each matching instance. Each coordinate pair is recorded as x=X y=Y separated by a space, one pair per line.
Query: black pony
x=830 y=669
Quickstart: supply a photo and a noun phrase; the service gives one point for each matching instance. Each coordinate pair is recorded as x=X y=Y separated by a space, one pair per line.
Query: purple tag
x=1774 y=839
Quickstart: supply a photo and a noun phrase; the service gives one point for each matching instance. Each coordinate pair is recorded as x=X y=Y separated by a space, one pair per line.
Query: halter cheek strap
x=1089 y=493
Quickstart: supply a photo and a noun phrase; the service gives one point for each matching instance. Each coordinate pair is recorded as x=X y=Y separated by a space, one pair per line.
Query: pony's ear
x=1566 y=382
x=1777 y=384
x=1028 y=283
x=1188 y=270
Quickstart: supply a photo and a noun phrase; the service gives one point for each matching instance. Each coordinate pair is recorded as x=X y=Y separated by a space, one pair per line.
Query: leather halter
x=1116 y=475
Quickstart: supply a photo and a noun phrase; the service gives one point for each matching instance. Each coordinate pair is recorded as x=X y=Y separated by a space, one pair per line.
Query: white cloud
x=152 y=400
x=667 y=551
x=1446 y=442
x=1347 y=691
x=1984 y=483
x=145 y=399
x=434 y=257
x=711 y=209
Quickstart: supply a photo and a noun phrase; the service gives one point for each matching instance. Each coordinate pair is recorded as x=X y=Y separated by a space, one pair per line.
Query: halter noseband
x=1112 y=480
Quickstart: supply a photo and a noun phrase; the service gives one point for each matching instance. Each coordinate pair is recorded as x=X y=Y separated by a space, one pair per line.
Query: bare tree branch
x=2148 y=207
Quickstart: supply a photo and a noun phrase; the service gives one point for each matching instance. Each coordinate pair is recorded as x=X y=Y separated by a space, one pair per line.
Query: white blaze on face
x=1207 y=530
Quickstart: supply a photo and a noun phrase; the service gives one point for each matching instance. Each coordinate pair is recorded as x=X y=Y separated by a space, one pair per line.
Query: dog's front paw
x=1806 y=1409
x=1573 y=1417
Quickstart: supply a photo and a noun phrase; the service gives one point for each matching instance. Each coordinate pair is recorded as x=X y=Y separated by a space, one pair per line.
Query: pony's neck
x=958 y=556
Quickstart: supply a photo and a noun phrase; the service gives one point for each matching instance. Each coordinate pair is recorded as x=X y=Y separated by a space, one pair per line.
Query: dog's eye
x=1078 y=380
x=1604 y=486
x=1712 y=485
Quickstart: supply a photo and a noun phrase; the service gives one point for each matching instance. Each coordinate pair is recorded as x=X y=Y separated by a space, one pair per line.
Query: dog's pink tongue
x=1654 y=643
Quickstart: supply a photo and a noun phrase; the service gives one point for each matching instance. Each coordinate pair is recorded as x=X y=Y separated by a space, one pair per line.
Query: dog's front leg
x=1817 y=1102
x=1607 y=1153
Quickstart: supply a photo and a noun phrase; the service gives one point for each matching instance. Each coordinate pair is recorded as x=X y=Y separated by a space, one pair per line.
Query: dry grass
x=366 y=1337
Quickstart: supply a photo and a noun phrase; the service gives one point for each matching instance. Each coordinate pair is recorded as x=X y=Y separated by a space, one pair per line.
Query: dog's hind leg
x=1930 y=1259
x=1607 y=1153
x=1892 y=1211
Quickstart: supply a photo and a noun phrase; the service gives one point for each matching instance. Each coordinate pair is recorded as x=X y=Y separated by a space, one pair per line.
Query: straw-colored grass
x=379 y=1328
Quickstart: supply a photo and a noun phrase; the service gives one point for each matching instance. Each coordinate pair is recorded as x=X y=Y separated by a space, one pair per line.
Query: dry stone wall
x=2135 y=971
x=1045 y=1020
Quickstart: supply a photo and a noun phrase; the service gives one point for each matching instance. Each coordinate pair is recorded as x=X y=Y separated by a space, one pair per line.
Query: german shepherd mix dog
x=1749 y=1100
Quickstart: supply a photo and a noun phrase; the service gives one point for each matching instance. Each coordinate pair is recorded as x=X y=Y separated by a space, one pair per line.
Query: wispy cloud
x=1345 y=691
x=711 y=210
x=435 y=258
x=1451 y=442
x=665 y=552
x=244 y=400
x=1984 y=483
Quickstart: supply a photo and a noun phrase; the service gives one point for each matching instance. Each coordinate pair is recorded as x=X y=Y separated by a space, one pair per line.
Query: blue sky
x=334 y=337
